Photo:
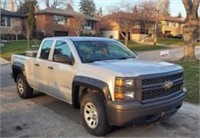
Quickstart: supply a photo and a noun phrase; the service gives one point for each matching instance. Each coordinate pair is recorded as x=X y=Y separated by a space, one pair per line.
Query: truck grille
x=162 y=79
x=154 y=87
x=156 y=93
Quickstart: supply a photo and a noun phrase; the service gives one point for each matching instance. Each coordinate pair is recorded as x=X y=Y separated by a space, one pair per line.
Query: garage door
x=60 y=33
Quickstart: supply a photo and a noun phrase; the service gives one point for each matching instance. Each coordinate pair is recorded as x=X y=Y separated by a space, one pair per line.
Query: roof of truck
x=83 y=38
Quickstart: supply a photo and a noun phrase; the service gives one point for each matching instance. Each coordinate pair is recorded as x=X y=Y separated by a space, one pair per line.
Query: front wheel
x=23 y=89
x=93 y=113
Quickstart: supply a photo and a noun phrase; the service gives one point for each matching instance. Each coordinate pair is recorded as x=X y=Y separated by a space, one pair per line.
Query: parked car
x=180 y=36
x=102 y=77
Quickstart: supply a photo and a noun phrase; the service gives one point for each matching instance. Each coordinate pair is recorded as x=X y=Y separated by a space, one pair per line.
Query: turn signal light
x=119 y=82
x=119 y=95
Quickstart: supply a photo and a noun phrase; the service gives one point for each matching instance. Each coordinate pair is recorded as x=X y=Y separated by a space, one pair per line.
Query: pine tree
x=87 y=7
x=179 y=15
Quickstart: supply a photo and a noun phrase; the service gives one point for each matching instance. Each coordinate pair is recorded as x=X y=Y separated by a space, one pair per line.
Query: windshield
x=91 y=51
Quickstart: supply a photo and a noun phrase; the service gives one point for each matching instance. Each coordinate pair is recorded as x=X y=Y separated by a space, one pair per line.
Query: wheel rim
x=90 y=115
x=20 y=86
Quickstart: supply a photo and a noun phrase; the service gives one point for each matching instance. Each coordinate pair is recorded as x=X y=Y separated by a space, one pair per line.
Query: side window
x=46 y=47
x=62 y=48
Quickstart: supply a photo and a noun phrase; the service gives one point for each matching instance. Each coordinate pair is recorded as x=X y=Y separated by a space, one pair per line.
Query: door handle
x=50 y=67
x=36 y=64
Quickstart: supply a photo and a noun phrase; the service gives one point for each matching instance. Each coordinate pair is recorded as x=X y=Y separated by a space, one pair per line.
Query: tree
x=190 y=29
x=179 y=15
x=125 y=22
x=55 y=3
x=4 y=4
x=87 y=7
x=78 y=24
x=99 y=13
x=164 y=7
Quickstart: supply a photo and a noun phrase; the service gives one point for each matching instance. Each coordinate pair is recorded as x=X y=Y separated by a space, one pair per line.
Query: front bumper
x=121 y=113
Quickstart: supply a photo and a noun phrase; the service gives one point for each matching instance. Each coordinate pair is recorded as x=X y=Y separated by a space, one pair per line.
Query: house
x=58 y=22
x=171 y=26
x=11 y=24
x=139 y=31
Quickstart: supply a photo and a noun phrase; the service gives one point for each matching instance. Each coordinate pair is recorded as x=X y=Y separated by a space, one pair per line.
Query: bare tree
x=125 y=22
x=55 y=3
x=16 y=30
x=78 y=24
x=190 y=29
x=4 y=4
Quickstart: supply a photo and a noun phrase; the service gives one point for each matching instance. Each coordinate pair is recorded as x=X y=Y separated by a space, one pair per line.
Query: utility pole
x=156 y=24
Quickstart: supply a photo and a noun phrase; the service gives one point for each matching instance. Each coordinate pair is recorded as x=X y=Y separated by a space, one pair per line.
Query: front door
x=63 y=73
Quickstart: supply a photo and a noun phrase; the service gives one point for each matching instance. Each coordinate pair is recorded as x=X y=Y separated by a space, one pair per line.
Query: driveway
x=44 y=116
x=174 y=54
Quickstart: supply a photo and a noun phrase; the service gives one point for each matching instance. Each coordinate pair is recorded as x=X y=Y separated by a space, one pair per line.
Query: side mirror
x=63 y=59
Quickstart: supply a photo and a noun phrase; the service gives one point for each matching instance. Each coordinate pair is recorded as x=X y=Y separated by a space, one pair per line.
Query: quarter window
x=46 y=47
x=5 y=21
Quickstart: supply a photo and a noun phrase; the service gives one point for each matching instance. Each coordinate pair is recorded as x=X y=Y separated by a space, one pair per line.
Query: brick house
x=58 y=22
x=139 y=31
x=12 y=24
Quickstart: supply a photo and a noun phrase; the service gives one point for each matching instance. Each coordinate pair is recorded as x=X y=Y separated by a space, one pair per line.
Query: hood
x=136 y=67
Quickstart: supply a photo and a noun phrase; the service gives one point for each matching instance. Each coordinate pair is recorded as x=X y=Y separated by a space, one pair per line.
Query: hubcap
x=20 y=86
x=90 y=115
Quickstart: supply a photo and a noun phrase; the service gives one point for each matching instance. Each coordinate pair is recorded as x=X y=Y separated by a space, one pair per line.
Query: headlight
x=124 y=88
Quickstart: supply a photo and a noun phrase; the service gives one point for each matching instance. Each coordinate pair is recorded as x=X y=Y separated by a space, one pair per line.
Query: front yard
x=22 y=46
x=192 y=80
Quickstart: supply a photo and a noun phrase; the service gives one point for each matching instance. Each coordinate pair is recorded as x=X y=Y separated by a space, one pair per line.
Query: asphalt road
x=44 y=116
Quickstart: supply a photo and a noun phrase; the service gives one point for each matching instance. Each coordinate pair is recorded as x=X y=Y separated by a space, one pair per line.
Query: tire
x=92 y=105
x=23 y=89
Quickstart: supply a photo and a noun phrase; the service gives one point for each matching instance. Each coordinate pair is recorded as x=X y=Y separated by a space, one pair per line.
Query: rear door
x=42 y=70
x=62 y=73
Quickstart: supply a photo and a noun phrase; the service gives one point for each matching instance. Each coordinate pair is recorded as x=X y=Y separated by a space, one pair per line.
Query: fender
x=89 y=83
x=17 y=68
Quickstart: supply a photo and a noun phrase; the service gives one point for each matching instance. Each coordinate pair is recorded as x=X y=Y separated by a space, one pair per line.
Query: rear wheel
x=23 y=89
x=93 y=113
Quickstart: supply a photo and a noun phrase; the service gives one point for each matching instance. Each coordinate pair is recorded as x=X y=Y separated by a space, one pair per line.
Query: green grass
x=142 y=47
x=191 y=75
x=17 y=47
x=172 y=41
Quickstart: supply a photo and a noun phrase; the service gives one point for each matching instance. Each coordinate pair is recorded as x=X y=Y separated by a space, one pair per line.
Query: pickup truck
x=102 y=77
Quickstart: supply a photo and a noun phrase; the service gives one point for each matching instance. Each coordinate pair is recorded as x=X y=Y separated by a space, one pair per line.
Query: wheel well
x=16 y=72
x=80 y=91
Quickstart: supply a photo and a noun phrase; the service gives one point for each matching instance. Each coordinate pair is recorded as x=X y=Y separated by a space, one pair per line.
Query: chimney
x=12 y=6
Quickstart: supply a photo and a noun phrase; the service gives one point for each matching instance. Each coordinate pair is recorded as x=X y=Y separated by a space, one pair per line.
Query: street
x=45 y=116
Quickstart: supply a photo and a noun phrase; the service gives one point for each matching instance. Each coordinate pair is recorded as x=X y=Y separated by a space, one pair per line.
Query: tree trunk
x=126 y=40
x=16 y=35
x=189 y=53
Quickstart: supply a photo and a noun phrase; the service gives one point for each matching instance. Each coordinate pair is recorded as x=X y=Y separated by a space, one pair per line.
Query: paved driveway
x=44 y=116
x=174 y=54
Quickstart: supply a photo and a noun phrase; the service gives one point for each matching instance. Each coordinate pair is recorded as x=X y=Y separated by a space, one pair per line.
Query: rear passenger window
x=46 y=47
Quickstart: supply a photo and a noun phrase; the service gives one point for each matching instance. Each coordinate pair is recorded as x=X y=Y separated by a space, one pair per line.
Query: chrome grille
x=162 y=79
x=160 y=92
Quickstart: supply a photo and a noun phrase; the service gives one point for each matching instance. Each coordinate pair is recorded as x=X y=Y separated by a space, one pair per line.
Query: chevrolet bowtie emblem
x=168 y=85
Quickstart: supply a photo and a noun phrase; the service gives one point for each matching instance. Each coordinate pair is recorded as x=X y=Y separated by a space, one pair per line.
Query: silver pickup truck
x=102 y=77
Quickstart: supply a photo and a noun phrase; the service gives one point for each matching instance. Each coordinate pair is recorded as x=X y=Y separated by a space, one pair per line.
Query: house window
x=168 y=23
x=5 y=21
x=88 y=25
x=174 y=24
x=60 y=19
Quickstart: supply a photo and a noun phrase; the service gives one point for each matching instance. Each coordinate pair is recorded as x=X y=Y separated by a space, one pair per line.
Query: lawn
x=18 y=47
x=143 y=47
x=172 y=41
x=192 y=81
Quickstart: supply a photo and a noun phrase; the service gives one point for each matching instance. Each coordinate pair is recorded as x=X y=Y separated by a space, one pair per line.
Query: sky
x=176 y=6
